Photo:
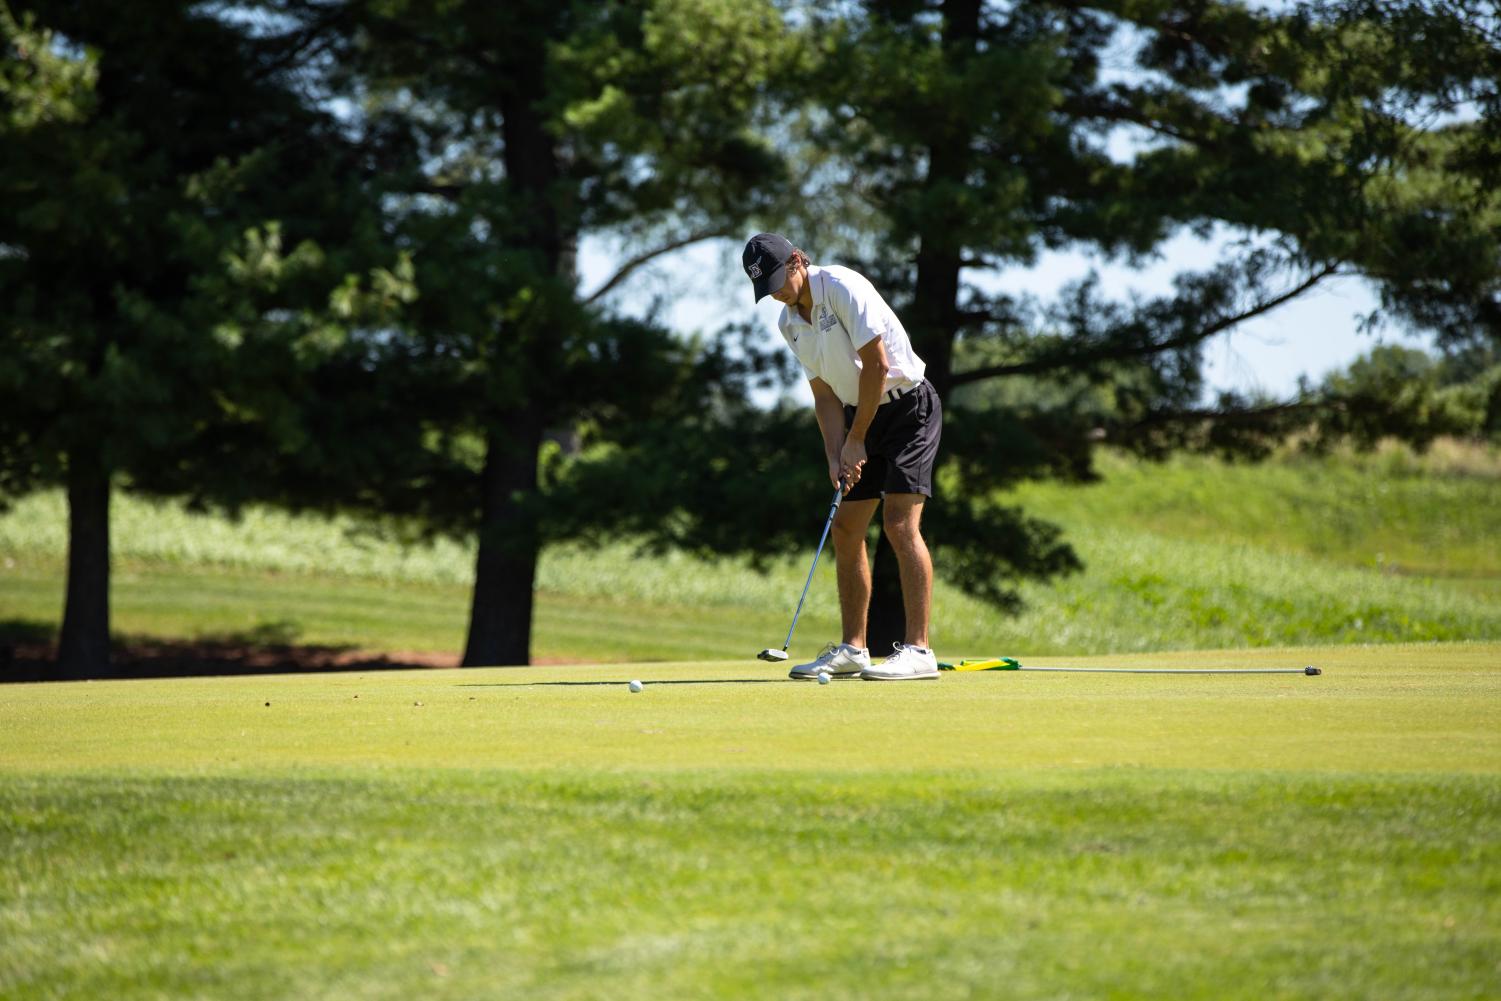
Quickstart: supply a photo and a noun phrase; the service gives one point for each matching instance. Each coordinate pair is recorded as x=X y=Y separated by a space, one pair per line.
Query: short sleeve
x=859 y=308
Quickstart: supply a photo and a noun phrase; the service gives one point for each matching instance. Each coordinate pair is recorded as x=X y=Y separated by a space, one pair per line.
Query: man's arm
x=873 y=368
x=829 y=410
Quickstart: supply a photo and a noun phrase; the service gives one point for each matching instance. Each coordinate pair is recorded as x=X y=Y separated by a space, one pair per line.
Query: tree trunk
x=83 y=650
x=886 y=619
x=935 y=301
x=933 y=319
x=500 y=617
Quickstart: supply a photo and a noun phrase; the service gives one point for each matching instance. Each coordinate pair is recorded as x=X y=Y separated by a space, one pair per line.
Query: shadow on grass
x=28 y=653
x=611 y=684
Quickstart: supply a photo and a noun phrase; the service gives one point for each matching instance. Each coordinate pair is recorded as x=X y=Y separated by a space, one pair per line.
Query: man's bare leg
x=853 y=567
x=902 y=520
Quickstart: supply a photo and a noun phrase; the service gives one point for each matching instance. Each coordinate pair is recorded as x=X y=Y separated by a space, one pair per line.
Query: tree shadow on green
x=28 y=653
x=647 y=684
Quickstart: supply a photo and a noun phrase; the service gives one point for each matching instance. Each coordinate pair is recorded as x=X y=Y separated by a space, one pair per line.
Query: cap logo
x=755 y=269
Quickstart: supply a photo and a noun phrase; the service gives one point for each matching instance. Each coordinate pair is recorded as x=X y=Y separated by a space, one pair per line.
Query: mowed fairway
x=544 y=833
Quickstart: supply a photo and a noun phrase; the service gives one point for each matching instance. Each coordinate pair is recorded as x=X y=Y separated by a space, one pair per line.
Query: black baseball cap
x=765 y=262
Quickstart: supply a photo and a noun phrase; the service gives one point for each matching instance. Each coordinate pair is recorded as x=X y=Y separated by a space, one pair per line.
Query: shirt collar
x=814 y=271
x=790 y=314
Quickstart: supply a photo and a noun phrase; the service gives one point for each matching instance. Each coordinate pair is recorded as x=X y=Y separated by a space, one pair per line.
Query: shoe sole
x=841 y=676
x=899 y=677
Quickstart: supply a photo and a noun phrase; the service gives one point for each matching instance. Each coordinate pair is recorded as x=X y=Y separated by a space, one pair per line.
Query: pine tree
x=163 y=196
x=532 y=125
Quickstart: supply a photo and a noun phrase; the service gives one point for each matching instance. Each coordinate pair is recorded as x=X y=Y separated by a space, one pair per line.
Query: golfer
x=880 y=422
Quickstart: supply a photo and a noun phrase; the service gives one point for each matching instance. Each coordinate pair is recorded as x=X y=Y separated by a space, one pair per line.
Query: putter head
x=775 y=656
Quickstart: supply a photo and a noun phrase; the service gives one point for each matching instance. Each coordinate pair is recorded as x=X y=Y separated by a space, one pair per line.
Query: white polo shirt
x=848 y=313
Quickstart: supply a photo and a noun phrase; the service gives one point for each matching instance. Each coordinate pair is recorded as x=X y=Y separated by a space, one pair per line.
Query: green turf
x=194 y=603
x=1421 y=707
x=1192 y=553
x=543 y=833
x=1393 y=512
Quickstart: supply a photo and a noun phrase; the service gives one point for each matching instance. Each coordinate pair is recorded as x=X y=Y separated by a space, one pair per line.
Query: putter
x=777 y=656
x=1012 y=664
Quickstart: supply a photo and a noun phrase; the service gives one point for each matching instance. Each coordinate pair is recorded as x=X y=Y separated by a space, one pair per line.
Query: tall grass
x=1393 y=511
x=156 y=534
x=1147 y=591
x=1189 y=553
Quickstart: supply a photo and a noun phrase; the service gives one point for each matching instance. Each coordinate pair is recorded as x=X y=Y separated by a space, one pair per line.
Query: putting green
x=545 y=833
x=1426 y=708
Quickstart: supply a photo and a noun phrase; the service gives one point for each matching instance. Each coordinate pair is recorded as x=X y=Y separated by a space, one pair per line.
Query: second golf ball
x=823 y=677
x=635 y=686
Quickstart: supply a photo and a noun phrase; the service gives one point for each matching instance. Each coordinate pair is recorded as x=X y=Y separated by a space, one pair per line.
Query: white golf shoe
x=838 y=660
x=906 y=663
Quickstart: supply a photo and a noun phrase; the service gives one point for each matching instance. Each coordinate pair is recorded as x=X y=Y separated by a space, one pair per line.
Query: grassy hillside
x=1435 y=515
x=1191 y=553
x=543 y=833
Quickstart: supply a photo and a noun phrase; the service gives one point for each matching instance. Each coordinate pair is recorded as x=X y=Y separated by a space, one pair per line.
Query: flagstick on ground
x=1012 y=664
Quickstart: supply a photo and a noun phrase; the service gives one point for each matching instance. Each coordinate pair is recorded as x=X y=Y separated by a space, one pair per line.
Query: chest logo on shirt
x=826 y=320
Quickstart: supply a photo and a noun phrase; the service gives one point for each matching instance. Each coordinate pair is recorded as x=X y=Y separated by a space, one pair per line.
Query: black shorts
x=900 y=445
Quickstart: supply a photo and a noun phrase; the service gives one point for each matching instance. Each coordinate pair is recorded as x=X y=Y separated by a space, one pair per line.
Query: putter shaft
x=828 y=523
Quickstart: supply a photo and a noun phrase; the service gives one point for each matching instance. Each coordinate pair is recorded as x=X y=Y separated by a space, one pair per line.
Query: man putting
x=881 y=423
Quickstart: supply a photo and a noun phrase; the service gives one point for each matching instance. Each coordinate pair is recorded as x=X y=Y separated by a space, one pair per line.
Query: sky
x=702 y=288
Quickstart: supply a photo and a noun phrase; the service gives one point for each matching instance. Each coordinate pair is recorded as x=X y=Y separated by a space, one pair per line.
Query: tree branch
x=641 y=259
x=447 y=192
x=311 y=40
x=1115 y=352
x=1109 y=109
x=1241 y=417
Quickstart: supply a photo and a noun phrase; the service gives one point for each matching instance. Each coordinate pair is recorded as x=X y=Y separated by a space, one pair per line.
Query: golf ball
x=635 y=686
x=823 y=677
